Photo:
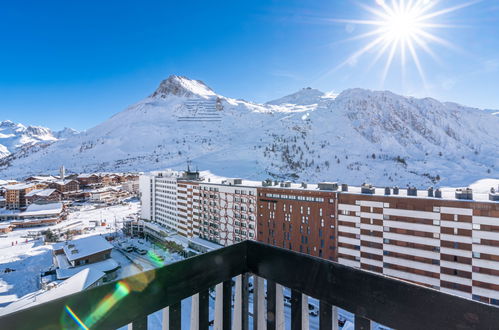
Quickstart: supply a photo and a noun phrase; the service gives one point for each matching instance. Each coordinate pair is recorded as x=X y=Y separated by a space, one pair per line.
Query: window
x=476 y=255
x=476 y=226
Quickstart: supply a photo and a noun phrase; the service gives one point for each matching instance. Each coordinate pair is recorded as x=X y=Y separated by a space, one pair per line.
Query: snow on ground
x=30 y=256
x=27 y=260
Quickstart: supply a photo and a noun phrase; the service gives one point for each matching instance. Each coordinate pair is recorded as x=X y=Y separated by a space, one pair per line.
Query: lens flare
x=156 y=259
x=104 y=306
x=401 y=27
x=76 y=318
x=121 y=291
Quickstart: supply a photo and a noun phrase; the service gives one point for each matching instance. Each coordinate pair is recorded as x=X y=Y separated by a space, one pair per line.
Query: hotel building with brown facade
x=300 y=218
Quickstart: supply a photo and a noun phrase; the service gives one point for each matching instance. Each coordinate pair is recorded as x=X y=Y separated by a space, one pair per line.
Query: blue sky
x=76 y=63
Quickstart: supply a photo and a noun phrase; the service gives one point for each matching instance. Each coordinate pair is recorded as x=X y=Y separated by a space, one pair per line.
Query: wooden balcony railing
x=370 y=297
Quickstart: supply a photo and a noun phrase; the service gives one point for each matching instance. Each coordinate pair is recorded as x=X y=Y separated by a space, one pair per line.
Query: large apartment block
x=227 y=210
x=299 y=217
x=448 y=242
x=159 y=198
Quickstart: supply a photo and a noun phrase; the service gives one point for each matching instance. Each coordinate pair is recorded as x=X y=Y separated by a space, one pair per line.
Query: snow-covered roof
x=63 y=182
x=42 y=209
x=19 y=186
x=86 y=175
x=81 y=281
x=40 y=192
x=102 y=266
x=42 y=178
x=80 y=248
x=207 y=244
x=448 y=193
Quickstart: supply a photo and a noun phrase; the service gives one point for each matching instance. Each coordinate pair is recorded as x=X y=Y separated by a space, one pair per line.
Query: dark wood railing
x=369 y=296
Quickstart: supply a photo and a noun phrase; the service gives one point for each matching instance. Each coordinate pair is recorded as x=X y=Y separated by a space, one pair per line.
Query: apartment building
x=227 y=210
x=158 y=194
x=188 y=204
x=444 y=240
x=15 y=195
x=447 y=240
x=301 y=218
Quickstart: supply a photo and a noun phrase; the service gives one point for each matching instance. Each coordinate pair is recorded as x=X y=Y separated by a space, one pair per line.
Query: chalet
x=89 y=180
x=6 y=228
x=87 y=250
x=65 y=186
x=43 y=196
x=41 y=179
x=35 y=215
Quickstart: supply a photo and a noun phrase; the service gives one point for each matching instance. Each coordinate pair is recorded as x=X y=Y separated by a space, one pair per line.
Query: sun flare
x=401 y=27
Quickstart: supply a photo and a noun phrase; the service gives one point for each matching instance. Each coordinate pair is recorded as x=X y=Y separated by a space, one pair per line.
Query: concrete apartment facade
x=446 y=244
x=227 y=210
x=158 y=192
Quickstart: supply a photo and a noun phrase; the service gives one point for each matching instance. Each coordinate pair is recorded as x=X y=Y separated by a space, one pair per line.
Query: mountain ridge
x=15 y=136
x=357 y=136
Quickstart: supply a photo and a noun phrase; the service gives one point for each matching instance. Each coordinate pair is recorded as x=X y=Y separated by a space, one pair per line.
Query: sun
x=403 y=28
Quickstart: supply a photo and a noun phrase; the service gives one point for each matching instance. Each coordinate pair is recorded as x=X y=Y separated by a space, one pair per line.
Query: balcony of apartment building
x=370 y=297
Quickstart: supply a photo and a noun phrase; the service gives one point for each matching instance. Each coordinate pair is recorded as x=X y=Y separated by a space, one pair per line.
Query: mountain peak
x=183 y=87
x=305 y=96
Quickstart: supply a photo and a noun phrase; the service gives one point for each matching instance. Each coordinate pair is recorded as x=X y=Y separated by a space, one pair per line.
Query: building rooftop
x=81 y=281
x=447 y=193
x=207 y=244
x=19 y=186
x=83 y=247
x=40 y=192
x=102 y=266
x=42 y=209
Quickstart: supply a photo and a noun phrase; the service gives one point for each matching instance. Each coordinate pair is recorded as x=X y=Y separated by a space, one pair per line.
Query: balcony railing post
x=195 y=312
x=259 y=318
x=271 y=305
x=304 y=312
x=218 y=322
x=279 y=307
x=139 y=324
x=165 y=314
x=296 y=310
x=227 y=305
x=175 y=316
x=204 y=311
x=335 y=318
x=244 y=302
x=241 y=305
x=325 y=316
x=362 y=323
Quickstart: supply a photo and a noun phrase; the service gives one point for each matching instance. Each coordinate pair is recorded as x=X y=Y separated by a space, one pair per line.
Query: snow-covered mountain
x=15 y=136
x=358 y=136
